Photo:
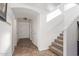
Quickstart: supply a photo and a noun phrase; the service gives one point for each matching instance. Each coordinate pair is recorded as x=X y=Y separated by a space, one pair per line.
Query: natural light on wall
x=53 y=14
x=5 y=43
x=68 y=6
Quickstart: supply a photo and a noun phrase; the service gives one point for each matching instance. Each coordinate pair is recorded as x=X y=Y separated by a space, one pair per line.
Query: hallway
x=26 y=48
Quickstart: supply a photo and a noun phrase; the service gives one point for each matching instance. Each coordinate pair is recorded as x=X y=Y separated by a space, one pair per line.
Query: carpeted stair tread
x=59 y=41
x=57 y=45
x=56 y=50
x=60 y=37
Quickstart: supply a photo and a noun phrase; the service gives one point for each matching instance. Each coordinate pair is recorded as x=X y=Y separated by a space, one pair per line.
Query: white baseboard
x=41 y=49
x=35 y=44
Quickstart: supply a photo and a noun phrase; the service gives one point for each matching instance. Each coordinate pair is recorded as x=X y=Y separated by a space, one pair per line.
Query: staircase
x=57 y=46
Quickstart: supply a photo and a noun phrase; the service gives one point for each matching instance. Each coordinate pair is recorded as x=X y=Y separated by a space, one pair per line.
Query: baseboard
x=41 y=49
x=23 y=38
x=7 y=52
x=14 y=46
x=35 y=44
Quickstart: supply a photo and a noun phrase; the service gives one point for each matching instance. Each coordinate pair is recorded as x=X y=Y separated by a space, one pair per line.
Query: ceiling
x=24 y=13
x=46 y=7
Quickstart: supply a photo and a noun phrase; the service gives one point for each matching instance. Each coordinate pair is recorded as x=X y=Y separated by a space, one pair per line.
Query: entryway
x=23 y=28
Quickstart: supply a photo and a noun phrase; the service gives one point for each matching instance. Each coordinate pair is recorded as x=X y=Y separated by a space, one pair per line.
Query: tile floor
x=25 y=47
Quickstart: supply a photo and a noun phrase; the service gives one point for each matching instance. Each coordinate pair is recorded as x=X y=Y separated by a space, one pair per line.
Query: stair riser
x=60 y=42
x=61 y=34
x=60 y=37
x=59 y=47
x=56 y=52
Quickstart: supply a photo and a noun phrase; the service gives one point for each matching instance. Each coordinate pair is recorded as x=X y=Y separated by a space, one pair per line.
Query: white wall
x=23 y=28
x=11 y=19
x=70 y=40
x=70 y=15
x=70 y=33
x=6 y=34
x=50 y=30
x=14 y=33
x=35 y=30
x=5 y=38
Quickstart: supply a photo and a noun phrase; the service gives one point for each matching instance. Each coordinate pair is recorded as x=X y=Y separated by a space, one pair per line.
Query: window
x=53 y=14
